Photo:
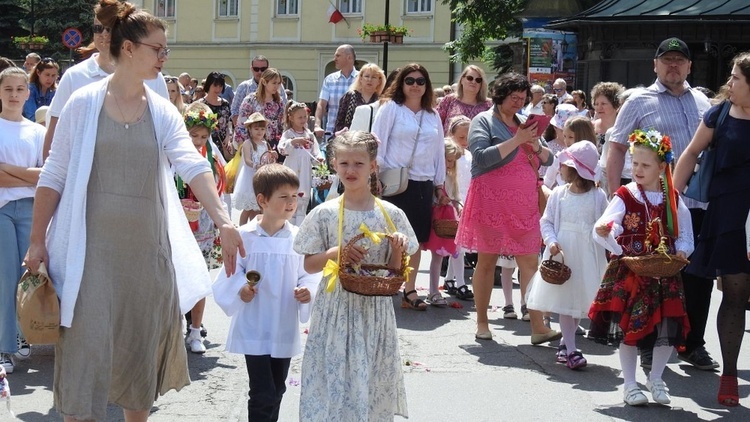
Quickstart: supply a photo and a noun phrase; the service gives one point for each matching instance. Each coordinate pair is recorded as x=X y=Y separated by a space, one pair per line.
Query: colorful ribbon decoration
x=375 y=237
x=331 y=270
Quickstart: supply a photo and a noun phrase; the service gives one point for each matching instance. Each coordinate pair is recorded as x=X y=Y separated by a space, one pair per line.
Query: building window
x=287 y=7
x=228 y=8
x=349 y=7
x=164 y=8
x=418 y=6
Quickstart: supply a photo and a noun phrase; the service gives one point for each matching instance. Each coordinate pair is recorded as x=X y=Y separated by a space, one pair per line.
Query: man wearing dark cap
x=674 y=108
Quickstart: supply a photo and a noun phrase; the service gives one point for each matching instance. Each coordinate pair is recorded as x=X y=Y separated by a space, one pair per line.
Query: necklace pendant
x=127 y=126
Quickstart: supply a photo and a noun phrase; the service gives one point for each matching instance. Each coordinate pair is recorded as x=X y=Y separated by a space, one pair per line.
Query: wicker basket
x=445 y=228
x=192 y=212
x=369 y=285
x=554 y=272
x=655 y=265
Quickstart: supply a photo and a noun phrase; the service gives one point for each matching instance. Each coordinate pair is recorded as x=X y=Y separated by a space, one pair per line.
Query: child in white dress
x=351 y=369
x=266 y=315
x=300 y=147
x=572 y=210
x=255 y=153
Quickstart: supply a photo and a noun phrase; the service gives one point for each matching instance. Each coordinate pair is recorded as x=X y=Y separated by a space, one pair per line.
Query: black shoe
x=647 y=355
x=699 y=358
x=449 y=287
x=464 y=293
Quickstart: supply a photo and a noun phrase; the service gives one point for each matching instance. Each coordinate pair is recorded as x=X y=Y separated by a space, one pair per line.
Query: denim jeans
x=267 y=386
x=15 y=229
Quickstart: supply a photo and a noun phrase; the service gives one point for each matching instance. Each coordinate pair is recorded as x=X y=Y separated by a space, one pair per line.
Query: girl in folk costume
x=566 y=226
x=298 y=143
x=255 y=153
x=351 y=370
x=646 y=312
x=200 y=121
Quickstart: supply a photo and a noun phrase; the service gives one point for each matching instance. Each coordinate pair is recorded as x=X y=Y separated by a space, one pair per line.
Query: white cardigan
x=67 y=171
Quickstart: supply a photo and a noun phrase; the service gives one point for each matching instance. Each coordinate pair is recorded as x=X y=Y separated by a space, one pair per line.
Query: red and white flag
x=334 y=15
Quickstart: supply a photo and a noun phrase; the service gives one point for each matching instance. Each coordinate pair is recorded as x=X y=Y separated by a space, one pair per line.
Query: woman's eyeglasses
x=48 y=60
x=99 y=28
x=170 y=79
x=472 y=79
x=410 y=81
x=161 y=52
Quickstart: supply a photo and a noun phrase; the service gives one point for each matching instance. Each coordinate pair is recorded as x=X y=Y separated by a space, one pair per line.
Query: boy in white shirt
x=266 y=315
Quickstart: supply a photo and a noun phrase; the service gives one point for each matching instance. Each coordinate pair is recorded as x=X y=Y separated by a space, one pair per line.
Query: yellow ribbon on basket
x=332 y=268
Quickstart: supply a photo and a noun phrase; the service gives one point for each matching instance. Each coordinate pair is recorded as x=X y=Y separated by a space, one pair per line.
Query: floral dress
x=636 y=306
x=223 y=127
x=273 y=112
x=351 y=370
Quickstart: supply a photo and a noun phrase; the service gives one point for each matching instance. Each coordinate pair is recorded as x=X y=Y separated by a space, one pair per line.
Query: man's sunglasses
x=410 y=81
x=98 y=28
x=260 y=69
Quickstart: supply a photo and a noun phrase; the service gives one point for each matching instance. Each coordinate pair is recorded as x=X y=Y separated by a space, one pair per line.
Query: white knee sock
x=628 y=360
x=659 y=361
x=568 y=326
x=456 y=269
x=506 y=278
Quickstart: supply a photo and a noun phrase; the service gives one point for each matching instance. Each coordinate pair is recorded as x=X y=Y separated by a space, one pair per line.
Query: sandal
x=464 y=293
x=576 y=360
x=728 y=392
x=562 y=354
x=449 y=287
x=436 y=299
x=416 y=304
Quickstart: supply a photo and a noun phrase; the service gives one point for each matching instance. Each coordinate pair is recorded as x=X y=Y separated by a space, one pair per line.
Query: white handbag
x=396 y=180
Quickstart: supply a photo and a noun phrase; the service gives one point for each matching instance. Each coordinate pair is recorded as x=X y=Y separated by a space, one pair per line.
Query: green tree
x=52 y=17
x=10 y=26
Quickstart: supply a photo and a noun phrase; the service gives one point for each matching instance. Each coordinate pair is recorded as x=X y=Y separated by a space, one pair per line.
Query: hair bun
x=125 y=10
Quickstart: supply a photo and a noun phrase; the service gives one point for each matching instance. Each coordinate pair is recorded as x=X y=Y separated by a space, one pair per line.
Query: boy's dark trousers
x=267 y=386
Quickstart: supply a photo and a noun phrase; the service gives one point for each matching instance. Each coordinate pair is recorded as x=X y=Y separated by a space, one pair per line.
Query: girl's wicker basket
x=364 y=279
x=445 y=228
x=658 y=264
x=555 y=272
x=655 y=265
x=192 y=209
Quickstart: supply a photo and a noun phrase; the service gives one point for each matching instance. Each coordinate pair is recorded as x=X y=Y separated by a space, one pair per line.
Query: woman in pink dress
x=501 y=215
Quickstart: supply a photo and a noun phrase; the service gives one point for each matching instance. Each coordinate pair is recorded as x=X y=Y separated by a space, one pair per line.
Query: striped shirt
x=657 y=108
x=334 y=87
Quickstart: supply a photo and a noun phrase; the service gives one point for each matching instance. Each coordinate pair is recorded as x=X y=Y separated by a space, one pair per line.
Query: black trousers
x=697 y=294
x=267 y=377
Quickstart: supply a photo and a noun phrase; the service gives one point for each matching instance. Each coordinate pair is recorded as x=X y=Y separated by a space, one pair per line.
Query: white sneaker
x=633 y=396
x=659 y=391
x=194 y=341
x=24 y=349
x=7 y=363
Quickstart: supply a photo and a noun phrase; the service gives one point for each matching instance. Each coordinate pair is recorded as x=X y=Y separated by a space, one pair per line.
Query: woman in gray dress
x=119 y=247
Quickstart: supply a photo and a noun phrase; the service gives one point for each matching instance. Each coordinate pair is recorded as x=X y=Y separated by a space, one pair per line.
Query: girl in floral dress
x=200 y=121
x=351 y=370
x=646 y=312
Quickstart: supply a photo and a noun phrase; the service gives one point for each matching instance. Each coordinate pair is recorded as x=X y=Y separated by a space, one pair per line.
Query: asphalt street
x=449 y=376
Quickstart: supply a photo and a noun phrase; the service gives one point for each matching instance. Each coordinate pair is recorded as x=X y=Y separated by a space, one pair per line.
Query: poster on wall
x=550 y=55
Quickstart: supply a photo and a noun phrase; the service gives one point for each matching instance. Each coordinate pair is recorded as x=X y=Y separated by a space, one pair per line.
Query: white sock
x=628 y=360
x=659 y=361
x=506 y=278
x=456 y=269
x=568 y=326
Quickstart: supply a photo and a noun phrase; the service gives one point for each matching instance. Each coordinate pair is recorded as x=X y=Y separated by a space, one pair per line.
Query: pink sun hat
x=563 y=112
x=584 y=157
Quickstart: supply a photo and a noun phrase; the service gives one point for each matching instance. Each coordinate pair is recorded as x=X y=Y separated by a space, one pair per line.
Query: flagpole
x=385 y=43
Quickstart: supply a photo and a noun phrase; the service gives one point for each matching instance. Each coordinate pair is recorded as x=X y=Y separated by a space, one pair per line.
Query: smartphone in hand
x=542 y=122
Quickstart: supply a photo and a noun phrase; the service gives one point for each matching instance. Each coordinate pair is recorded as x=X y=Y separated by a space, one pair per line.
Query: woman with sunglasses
x=95 y=68
x=411 y=136
x=470 y=98
x=501 y=215
x=119 y=249
x=214 y=86
x=42 y=87
x=175 y=89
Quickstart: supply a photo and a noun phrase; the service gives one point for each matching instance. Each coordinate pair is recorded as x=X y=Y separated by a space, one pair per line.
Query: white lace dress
x=243 y=197
x=570 y=218
x=351 y=370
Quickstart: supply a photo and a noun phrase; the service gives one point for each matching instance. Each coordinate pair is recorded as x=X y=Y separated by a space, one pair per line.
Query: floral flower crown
x=201 y=118
x=660 y=144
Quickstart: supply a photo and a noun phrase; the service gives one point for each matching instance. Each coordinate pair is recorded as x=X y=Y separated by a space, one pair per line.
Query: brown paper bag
x=37 y=308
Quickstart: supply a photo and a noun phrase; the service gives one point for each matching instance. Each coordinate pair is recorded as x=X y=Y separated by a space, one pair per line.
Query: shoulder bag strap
x=372 y=116
x=416 y=140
